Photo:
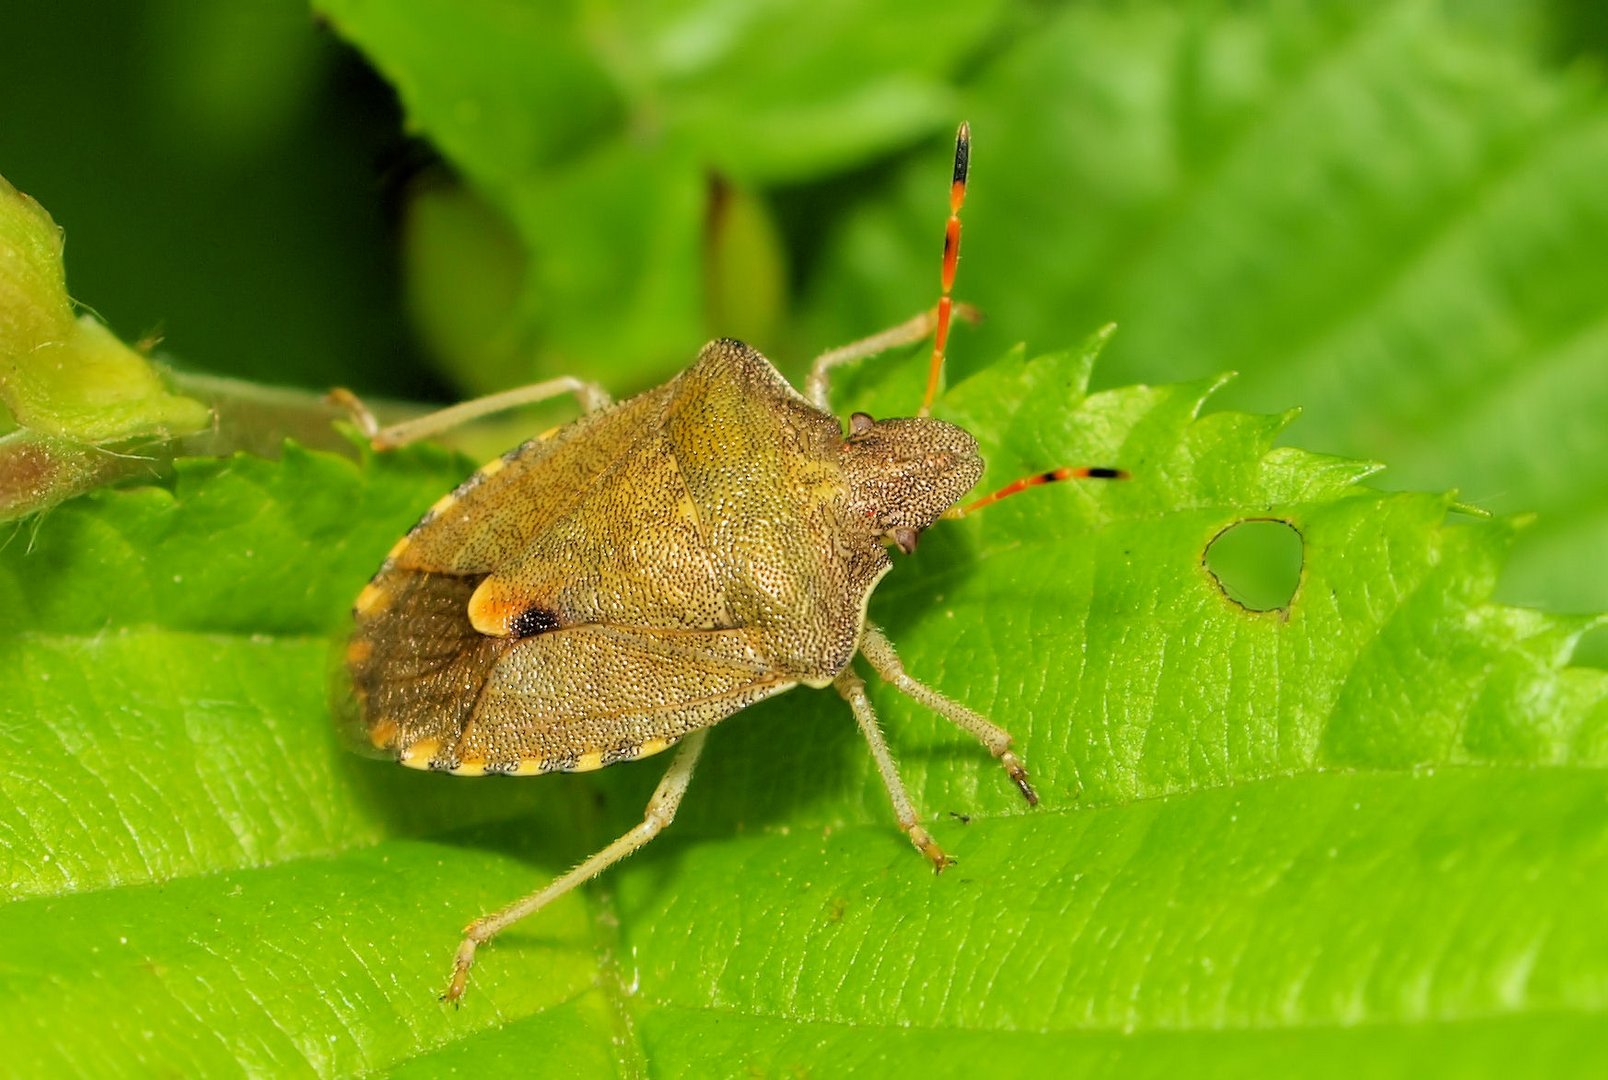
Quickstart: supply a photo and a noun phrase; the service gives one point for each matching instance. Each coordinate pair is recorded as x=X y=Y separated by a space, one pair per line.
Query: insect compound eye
x=860 y=423
x=532 y=621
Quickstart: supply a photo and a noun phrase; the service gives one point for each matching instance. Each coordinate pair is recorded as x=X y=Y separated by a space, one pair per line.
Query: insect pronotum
x=616 y=587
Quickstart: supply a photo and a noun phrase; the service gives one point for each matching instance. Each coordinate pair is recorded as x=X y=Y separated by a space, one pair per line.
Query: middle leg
x=590 y=395
x=852 y=687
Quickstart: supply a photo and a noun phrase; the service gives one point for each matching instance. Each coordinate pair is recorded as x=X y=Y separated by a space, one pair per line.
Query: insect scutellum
x=617 y=587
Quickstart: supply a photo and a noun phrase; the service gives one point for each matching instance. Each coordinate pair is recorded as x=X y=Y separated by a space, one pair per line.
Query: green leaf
x=1366 y=833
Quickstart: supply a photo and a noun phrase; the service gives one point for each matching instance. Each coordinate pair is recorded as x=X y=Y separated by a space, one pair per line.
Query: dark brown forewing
x=436 y=693
x=416 y=665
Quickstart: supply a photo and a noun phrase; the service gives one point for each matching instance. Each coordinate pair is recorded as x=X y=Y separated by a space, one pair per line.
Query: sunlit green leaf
x=1369 y=830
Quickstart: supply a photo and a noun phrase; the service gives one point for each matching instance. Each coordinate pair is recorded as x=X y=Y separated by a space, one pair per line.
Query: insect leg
x=879 y=651
x=852 y=687
x=661 y=811
x=591 y=396
x=914 y=329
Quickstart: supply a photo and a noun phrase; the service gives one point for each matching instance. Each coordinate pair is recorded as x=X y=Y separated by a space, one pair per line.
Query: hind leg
x=852 y=687
x=661 y=811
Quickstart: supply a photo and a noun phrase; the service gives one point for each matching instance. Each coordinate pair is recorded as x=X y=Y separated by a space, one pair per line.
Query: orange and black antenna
x=957 y=199
x=1054 y=476
x=946 y=303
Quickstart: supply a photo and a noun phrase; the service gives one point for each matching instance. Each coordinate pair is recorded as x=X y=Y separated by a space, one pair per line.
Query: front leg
x=879 y=651
x=916 y=328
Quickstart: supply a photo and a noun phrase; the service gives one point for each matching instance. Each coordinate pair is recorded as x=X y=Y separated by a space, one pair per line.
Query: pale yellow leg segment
x=879 y=651
x=912 y=330
x=591 y=396
x=852 y=687
x=661 y=811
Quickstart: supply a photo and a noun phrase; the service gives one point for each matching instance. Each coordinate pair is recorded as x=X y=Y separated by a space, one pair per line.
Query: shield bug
x=618 y=586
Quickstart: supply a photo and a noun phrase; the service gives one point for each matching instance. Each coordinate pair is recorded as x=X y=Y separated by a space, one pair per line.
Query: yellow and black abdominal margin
x=439 y=695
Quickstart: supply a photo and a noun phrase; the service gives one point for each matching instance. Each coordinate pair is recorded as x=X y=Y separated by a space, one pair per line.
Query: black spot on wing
x=532 y=621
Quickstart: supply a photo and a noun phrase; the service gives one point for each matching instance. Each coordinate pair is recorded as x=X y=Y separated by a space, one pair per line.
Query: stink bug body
x=617 y=587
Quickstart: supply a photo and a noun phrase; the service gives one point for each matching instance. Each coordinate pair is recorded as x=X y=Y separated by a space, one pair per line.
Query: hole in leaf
x=1257 y=563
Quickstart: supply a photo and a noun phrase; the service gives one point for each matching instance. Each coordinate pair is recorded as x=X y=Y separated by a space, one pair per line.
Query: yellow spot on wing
x=371 y=599
x=492 y=467
x=492 y=609
x=440 y=505
x=358 y=651
x=589 y=761
x=398 y=548
x=419 y=754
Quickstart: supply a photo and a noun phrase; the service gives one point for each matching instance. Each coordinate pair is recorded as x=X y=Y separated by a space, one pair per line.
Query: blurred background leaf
x=1387 y=217
x=222 y=177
